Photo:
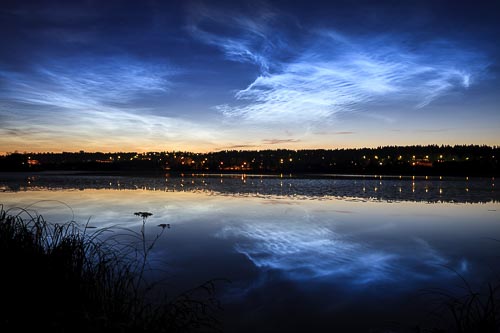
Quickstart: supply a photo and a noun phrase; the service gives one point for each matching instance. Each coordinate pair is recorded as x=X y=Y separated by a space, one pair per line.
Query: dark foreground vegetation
x=61 y=278
x=473 y=311
x=465 y=160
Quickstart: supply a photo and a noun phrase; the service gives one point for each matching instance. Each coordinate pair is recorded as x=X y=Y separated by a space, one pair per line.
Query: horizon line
x=5 y=153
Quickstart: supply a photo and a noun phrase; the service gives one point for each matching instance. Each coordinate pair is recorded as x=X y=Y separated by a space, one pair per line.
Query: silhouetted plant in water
x=145 y=248
x=60 y=278
x=144 y=215
x=472 y=311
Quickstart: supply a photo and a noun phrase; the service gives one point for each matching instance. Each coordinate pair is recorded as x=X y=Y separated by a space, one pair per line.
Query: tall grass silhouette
x=68 y=278
x=470 y=310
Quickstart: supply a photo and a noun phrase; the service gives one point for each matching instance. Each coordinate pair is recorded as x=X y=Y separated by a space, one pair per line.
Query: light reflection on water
x=305 y=252
x=429 y=189
x=314 y=255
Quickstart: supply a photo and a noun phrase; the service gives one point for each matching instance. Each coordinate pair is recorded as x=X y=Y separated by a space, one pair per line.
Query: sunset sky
x=212 y=75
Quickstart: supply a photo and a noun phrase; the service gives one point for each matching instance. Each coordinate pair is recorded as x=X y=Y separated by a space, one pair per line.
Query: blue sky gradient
x=206 y=76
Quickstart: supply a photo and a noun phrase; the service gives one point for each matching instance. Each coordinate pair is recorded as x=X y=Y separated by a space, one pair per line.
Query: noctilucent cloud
x=206 y=76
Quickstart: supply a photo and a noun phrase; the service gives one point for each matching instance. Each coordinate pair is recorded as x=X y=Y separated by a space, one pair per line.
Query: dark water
x=323 y=254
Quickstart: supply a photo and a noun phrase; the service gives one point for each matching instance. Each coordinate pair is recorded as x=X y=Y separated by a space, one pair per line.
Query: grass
x=67 y=278
x=469 y=311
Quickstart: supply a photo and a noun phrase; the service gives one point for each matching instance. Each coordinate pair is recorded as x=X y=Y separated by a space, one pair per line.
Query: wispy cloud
x=305 y=251
x=108 y=130
x=86 y=83
x=255 y=40
x=278 y=141
x=91 y=103
x=334 y=133
x=329 y=72
x=432 y=130
x=242 y=146
x=325 y=81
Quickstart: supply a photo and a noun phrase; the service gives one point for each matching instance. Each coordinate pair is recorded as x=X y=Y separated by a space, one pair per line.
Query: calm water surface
x=319 y=254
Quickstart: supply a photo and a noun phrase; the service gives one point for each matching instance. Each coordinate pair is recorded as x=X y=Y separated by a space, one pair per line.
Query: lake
x=316 y=253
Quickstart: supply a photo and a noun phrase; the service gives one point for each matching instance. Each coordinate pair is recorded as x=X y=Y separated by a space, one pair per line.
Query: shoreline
x=180 y=174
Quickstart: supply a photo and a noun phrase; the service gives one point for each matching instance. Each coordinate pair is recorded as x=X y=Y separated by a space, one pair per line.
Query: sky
x=220 y=75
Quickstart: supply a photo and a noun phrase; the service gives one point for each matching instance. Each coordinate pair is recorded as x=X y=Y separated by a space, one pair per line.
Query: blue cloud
x=91 y=103
x=330 y=72
x=306 y=251
x=241 y=38
x=86 y=82
x=322 y=83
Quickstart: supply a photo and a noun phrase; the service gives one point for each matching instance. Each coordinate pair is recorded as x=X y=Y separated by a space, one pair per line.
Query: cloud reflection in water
x=305 y=251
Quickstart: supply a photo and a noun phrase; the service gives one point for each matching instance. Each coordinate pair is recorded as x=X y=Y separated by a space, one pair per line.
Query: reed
x=468 y=310
x=69 y=278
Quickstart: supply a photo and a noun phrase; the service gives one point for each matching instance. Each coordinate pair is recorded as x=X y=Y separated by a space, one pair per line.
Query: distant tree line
x=471 y=160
